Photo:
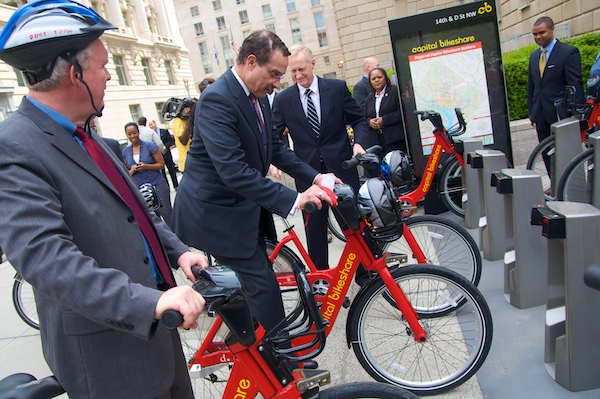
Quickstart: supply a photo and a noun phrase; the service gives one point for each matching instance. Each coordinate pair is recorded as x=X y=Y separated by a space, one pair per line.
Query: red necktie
x=261 y=123
x=109 y=169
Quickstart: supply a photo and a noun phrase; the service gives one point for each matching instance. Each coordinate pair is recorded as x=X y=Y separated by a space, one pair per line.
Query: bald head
x=370 y=63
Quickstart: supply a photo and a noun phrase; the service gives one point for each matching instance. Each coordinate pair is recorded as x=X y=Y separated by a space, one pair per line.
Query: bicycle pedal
x=346 y=303
x=312 y=378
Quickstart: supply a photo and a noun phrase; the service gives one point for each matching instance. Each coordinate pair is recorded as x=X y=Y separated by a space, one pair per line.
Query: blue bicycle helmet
x=41 y=31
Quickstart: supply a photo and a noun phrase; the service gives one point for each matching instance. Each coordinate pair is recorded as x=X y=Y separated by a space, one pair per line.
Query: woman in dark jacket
x=382 y=110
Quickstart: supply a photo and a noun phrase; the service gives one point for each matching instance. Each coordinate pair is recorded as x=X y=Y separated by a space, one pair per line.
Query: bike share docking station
x=491 y=226
x=567 y=145
x=594 y=140
x=525 y=270
x=473 y=198
x=572 y=332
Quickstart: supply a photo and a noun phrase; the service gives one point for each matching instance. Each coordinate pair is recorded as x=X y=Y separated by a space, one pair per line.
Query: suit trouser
x=181 y=388
x=259 y=281
x=543 y=131
x=170 y=167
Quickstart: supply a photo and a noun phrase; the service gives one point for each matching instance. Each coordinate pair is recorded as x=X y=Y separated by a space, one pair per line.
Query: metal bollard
x=567 y=145
x=473 y=198
x=491 y=226
x=572 y=331
x=525 y=273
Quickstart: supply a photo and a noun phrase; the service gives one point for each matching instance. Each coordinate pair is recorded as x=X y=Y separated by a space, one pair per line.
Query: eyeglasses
x=275 y=74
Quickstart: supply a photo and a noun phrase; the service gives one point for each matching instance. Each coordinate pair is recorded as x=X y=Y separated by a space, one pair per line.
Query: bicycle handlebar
x=360 y=159
x=436 y=119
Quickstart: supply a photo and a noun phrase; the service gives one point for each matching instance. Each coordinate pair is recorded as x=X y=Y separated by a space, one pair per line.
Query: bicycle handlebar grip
x=171 y=319
x=310 y=207
x=196 y=271
x=350 y=163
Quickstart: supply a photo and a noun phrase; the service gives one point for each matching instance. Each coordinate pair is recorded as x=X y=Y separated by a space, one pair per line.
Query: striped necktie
x=261 y=123
x=311 y=114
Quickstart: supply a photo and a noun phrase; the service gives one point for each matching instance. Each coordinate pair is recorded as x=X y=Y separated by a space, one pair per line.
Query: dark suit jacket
x=166 y=138
x=333 y=146
x=393 y=128
x=219 y=200
x=562 y=68
x=69 y=233
x=361 y=91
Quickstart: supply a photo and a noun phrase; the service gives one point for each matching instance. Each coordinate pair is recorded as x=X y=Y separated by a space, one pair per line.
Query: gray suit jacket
x=69 y=233
x=219 y=199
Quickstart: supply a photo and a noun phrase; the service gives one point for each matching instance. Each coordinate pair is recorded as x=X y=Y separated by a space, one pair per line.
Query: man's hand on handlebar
x=189 y=259
x=316 y=195
x=357 y=149
x=184 y=300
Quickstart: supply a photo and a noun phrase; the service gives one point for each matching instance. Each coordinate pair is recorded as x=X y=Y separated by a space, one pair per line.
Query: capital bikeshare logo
x=335 y=292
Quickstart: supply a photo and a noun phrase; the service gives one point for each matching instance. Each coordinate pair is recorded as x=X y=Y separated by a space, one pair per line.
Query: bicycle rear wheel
x=577 y=182
x=458 y=338
x=536 y=163
x=358 y=390
x=334 y=226
x=208 y=382
x=24 y=302
x=444 y=243
x=451 y=187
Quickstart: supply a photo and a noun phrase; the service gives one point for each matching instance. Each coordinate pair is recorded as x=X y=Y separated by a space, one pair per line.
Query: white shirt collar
x=240 y=81
x=314 y=87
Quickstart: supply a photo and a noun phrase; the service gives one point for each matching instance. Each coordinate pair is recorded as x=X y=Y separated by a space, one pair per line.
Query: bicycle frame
x=441 y=144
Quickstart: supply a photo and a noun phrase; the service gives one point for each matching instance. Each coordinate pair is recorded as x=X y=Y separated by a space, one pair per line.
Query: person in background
x=183 y=137
x=168 y=141
x=147 y=134
x=382 y=110
x=318 y=131
x=145 y=163
x=76 y=227
x=362 y=88
x=552 y=66
x=206 y=82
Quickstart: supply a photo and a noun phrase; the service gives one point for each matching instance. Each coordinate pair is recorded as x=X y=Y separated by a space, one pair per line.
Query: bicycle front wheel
x=444 y=243
x=371 y=390
x=577 y=182
x=282 y=265
x=545 y=148
x=207 y=382
x=458 y=338
x=24 y=302
x=451 y=187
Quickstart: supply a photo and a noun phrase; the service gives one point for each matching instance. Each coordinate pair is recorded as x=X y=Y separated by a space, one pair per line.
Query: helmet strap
x=71 y=56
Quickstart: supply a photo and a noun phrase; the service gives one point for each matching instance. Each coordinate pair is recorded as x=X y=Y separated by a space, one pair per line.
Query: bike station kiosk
x=572 y=331
x=491 y=226
x=594 y=140
x=473 y=198
x=567 y=144
x=525 y=261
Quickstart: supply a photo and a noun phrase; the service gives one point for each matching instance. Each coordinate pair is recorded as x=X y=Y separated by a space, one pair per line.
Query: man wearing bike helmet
x=77 y=228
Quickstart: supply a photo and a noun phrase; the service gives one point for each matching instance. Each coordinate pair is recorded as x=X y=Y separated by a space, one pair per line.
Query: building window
x=205 y=57
x=267 y=13
x=20 y=78
x=227 y=53
x=120 y=69
x=169 y=72
x=246 y=33
x=321 y=31
x=238 y=2
x=315 y=2
x=134 y=110
x=291 y=5
x=330 y=75
x=271 y=27
x=217 y=5
x=296 y=34
x=147 y=72
x=159 y=107
x=199 y=29
x=244 y=17
x=194 y=11
x=326 y=59
x=221 y=23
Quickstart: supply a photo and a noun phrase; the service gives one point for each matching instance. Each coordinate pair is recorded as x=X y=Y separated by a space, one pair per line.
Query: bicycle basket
x=302 y=335
x=378 y=205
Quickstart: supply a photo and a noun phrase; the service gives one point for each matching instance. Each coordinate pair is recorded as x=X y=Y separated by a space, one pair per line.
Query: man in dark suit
x=75 y=226
x=326 y=150
x=362 y=88
x=224 y=202
x=552 y=66
x=169 y=142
